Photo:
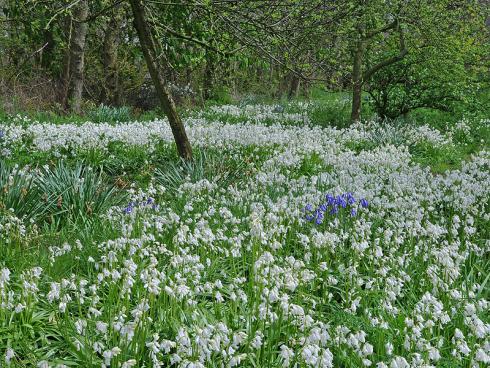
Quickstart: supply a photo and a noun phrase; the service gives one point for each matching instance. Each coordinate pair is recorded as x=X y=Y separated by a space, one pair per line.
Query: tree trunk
x=46 y=55
x=357 y=82
x=110 y=90
x=271 y=71
x=283 y=85
x=166 y=101
x=358 y=77
x=65 y=76
x=305 y=89
x=77 y=56
x=294 y=87
x=233 y=78
x=356 y=102
x=209 y=71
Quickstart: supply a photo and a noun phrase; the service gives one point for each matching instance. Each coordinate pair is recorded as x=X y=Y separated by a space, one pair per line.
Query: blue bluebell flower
x=149 y=202
x=333 y=206
x=308 y=208
x=319 y=218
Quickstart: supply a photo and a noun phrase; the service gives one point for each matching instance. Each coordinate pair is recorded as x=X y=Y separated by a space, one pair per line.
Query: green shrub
x=334 y=109
x=58 y=196
x=217 y=167
x=222 y=95
x=110 y=114
x=438 y=158
x=75 y=194
x=328 y=115
x=18 y=194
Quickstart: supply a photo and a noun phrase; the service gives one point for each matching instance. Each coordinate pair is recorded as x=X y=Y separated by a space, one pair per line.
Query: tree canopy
x=397 y=55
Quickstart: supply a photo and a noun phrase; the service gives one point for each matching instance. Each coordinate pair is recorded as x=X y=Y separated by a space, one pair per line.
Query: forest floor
x=288 y=241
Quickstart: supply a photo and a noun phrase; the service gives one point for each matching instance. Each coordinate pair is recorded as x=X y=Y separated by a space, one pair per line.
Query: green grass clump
x=18 y=194
x=75 y=195
x=56 y=196
x=109 y=114
x=438 y=158
x=222 y=168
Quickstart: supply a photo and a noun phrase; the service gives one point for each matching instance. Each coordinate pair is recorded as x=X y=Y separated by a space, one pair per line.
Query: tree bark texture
x=65 y=76
x=77 y=55
x=209 y=72
x=110 y=90
x=357 y=81
x=294 y=87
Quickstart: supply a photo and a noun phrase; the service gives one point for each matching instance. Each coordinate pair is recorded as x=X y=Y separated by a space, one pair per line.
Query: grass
x=207 y=165
x=79 y=201
x=99 y=114
x=55 y=196
x=439 y=159
x=108 y=114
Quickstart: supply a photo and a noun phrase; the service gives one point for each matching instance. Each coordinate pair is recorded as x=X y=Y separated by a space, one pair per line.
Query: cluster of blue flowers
x=334 y=205
x=147 y=203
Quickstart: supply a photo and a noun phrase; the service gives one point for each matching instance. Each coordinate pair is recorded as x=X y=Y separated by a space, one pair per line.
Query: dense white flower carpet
x=320 y=256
